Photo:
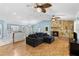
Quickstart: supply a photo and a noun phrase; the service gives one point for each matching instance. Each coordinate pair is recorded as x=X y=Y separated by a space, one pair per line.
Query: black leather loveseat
x=38 y=38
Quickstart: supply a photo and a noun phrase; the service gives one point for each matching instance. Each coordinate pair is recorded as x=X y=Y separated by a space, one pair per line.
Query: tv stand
x=74 y=49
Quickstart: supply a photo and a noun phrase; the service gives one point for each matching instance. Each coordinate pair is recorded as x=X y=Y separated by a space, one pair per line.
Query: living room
x=31 y=29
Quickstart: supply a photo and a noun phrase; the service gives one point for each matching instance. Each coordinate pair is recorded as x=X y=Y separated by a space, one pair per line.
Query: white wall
x=40 y=27
x=76 y=28
x=7 y=35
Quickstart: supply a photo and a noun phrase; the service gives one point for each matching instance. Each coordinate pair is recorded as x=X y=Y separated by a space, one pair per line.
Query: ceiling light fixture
x=42 y=6
x=54 y=18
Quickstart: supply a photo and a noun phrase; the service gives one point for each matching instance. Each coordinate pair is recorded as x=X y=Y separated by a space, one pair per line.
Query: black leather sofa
x=33 y=40
x=38 y=38
x=48 y=39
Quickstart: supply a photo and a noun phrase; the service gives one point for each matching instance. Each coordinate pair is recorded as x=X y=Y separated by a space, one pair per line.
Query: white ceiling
x=25 y=11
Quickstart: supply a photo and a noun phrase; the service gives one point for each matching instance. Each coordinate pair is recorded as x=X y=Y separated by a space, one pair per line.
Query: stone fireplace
x=55 y=33
x=62 y=28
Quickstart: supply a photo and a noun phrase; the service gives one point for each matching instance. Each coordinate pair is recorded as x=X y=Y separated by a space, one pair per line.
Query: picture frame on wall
x=1 y=30
x=46 y=28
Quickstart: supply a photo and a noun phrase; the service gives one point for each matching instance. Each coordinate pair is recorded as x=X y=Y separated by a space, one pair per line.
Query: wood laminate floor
x=60 y=47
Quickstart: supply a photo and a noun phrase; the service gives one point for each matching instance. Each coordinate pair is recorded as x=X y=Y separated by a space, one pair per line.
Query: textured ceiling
x=25 y=11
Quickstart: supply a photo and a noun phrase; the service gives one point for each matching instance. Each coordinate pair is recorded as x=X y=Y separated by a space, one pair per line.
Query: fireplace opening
x=55 y=33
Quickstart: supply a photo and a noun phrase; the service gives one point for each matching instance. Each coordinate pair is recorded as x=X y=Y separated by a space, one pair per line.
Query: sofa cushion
x=39 y=34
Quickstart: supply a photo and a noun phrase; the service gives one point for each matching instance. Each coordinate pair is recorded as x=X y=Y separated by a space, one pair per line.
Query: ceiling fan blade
x=57 y=17
x=46 y=5
x=43 y=10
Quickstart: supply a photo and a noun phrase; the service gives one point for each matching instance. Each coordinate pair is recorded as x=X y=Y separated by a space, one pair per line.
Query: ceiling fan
x=43 y=6
x=54 y=18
